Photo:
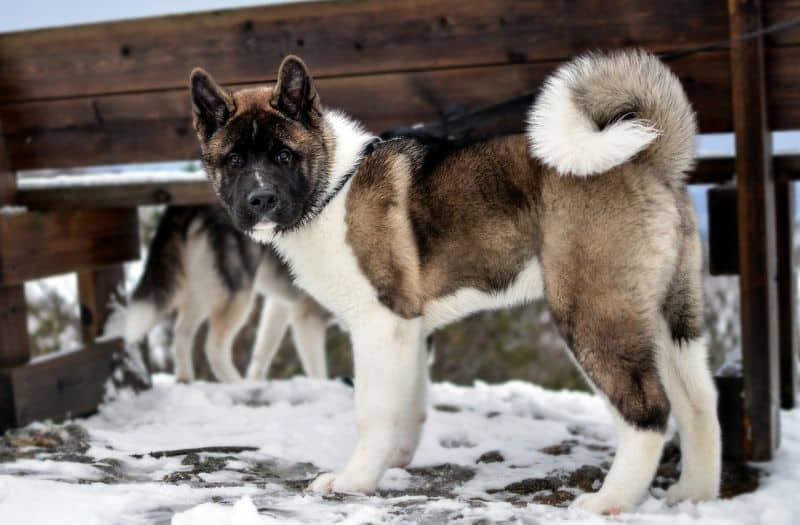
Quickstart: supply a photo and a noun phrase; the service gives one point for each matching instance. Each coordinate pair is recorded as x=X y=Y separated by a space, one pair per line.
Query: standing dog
x=203 y=267
x=588 y=209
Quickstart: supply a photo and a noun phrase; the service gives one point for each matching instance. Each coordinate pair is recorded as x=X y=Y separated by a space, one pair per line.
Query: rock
x=565 y=447
x=557 y=498
x=177 y=477
x=533 y=485
x=588 y=478
x=493 y=456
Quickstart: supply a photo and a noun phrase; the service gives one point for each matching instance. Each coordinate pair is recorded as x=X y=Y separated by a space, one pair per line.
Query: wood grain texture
x=787 y=291
x=14 y=348
x=117 y=196
x=97 y=288
x=55 y=387
x=38 y=244
x=757 y=243
x=341 y=39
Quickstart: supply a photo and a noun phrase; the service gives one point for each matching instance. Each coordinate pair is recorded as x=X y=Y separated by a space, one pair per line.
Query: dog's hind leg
x=687 y=378
x=691 y=391
x=223 y=325
x=616 y=347
x=308 y=332
x=186 y=325
x=272 y=326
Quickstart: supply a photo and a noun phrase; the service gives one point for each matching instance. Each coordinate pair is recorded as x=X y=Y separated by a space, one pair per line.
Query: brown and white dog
x=588 y=209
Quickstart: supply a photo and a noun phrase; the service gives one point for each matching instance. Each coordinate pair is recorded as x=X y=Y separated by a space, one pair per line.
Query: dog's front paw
x=341 y=483
x=601 y=503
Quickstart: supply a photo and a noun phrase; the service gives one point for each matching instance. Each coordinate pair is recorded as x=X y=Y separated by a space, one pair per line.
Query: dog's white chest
x=324 y=264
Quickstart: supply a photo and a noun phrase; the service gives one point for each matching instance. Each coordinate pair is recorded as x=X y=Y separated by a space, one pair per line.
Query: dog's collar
x=368 y=148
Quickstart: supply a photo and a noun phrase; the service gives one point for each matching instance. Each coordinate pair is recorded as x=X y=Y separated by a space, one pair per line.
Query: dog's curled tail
x=603 y=109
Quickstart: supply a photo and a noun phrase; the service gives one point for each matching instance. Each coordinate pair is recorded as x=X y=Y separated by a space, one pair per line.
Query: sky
x=36 y=14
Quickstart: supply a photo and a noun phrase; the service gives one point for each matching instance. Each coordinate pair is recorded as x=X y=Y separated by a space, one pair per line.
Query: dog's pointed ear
x=212 y=104
x=295 y=95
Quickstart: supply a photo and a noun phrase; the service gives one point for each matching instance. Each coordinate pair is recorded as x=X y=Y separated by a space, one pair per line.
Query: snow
x=304 y=426
x=108 y=179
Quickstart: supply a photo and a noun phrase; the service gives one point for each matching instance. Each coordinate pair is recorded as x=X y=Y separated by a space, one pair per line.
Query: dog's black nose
x=262 y=201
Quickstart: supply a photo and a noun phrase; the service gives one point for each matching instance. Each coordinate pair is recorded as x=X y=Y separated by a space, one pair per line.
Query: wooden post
x=757 y=245
x=787 y=289
x=96 y=288
x=14 y=348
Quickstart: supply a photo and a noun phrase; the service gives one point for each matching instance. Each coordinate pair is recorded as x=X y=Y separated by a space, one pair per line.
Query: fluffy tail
x=153 y=295
x=603 y=109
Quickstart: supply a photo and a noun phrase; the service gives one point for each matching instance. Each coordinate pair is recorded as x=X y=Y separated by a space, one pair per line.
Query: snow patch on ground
x=303 y=426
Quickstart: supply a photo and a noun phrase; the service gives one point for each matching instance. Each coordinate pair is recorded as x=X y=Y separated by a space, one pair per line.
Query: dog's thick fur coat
x=199 y=265
x=589 y=210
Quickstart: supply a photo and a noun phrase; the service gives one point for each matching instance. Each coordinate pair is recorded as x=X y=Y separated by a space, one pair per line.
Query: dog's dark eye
x=235 y=160
x=284 y=156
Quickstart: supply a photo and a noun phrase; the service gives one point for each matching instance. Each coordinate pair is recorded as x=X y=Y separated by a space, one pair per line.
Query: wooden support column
x=787 y=289
x=96 y=289
x=757 y=244
x=14 y=348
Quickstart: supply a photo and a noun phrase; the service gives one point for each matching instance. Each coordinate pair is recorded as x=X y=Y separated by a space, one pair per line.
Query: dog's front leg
x=389 y=355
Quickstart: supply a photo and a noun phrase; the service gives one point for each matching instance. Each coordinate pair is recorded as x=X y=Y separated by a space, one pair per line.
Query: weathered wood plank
x=14 y=349
x=55 y=387
x=156 y=126
x=787 y=292
x=7 y=179
x=708 y=171
x=342 y=38
x=757 y=247
x=117 y=196
x=732 y=417
x=37 y=244
x=96 y=289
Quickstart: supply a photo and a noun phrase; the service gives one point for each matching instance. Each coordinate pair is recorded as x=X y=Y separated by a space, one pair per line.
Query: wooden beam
x=757 y=247
x=56 y=386
x=117 y=195
x=14 y=348
x=35 y=244
x=156 y=126
x=8 y=182
x=708 y=171
x=341 y=39
x=787 y=291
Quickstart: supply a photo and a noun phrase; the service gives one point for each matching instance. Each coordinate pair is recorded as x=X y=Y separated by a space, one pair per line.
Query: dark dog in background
x=202 y=267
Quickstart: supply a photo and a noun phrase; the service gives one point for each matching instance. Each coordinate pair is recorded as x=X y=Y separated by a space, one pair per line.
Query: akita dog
x=588 y=209
x=202 y=267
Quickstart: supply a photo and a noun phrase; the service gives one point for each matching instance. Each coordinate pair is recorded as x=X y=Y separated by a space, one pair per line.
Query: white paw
x=685 y=490
x=341 y=483
x=601 y=503
x=253 y=376
x=184 y=377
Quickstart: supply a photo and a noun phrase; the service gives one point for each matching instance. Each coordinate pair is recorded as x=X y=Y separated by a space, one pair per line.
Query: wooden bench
x=117 y=93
